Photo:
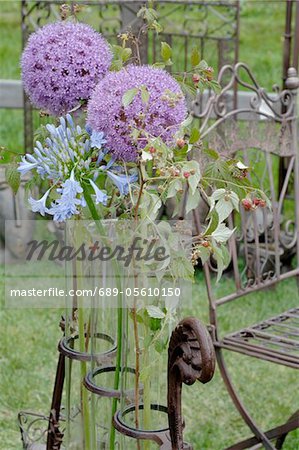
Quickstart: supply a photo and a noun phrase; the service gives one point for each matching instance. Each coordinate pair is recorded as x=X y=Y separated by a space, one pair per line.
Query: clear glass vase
x=89 y=338
x=152 y=297
x=122 y=307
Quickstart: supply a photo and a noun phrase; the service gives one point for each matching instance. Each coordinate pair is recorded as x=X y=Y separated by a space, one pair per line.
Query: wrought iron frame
x=275 y=339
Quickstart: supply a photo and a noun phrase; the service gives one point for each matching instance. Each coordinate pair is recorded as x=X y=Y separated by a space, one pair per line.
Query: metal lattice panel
x=259 y=132
x=275 y=339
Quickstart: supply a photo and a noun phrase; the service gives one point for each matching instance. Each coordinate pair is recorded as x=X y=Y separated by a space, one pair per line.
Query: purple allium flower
x=61 y=65
x=160 y=116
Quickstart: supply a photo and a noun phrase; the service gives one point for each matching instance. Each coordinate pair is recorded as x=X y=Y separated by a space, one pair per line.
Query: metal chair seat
x=275 y=339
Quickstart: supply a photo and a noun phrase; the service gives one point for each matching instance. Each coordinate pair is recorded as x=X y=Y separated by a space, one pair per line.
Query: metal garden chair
x=264 y=249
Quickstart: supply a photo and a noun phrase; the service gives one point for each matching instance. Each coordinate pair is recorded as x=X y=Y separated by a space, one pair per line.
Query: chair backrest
x=261 y=132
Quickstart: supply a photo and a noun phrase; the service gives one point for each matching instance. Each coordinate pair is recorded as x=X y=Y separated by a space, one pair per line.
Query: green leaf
x=213 y=224
x=155 y=324
x=174 y=186
x=188 y=90
x=218 y=170
x=194 y=136
x=157 y=26
x=227 y=201
x=193 y=180
x=211 y=153
x=168 y=62
x=222 y=256
x=155 y=312
x=218 y=194
x=215 y=86
x=222 y=233
x=188 y=121
x=204 y=253
x=116 y=65
x=181 y=267
x=224 y=208
x=192 y=200
x=203 y=65
x=13 y=178
x=180 y=154
x=145 y=95
x=166 y=51
x=159 y=65
x=148 y=14
x=195 y=57
x=126 y=54
x=160 y=345
x=129 y=96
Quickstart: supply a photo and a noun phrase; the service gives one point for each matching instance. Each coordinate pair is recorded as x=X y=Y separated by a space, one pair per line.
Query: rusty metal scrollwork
x=191 y=357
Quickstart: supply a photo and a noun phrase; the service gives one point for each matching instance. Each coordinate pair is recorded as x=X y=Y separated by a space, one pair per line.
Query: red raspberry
x=262 y=203
x=175 y=172
x=152 y=150
x=209 y=73
x=195 y=78
x=186 y=174
x=180 y=143
x=205 y=244
x=247 y=204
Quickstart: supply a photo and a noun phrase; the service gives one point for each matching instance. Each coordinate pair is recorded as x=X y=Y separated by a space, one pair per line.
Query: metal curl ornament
x=191 y=357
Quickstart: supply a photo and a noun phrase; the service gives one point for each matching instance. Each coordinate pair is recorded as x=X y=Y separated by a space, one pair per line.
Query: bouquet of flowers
x=121 y=145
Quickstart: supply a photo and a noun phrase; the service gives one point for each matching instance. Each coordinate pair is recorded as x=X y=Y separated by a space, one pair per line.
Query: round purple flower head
x=160 y=116
x=61 y=65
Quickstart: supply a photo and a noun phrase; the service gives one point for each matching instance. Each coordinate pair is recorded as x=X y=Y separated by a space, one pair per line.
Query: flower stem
x=84 y=392
x=146 y=399
x=117 y=372
x=96 y=218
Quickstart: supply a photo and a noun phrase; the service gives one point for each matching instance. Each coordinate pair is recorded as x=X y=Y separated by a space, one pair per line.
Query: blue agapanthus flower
x=101 y=196
x=71 y=158
x=67 y=205
x=122 y=182
x=97 y=139
x=39 y=205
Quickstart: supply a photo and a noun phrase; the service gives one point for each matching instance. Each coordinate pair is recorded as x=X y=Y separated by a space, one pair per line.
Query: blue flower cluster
x=72 y=159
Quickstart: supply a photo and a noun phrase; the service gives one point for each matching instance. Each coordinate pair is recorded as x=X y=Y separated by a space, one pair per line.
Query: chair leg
x=282 y=438
x=239 y=405
x=54 y=437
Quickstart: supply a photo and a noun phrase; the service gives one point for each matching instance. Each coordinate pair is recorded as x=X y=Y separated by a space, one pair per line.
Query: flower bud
x=180 y=143
x=209 y=73
x=195 y=78
x=247 y=204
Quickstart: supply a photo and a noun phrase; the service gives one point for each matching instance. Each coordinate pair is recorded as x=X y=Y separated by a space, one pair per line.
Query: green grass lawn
x=28 y=357
x=29 y=337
